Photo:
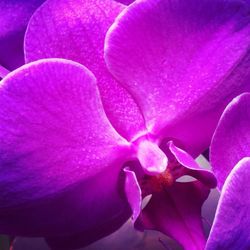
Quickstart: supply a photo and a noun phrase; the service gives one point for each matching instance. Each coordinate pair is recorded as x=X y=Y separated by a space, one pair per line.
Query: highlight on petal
x=192 y=168
x=14 y=17
x=76 y=30
x=55 y=137
x=232 y=220
x=152 y=159
x=133 y=193
x=231 y=141
x=176 y=212
x=182 y=61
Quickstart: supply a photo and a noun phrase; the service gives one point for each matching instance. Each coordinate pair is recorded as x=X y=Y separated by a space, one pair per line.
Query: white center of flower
x=151 y=157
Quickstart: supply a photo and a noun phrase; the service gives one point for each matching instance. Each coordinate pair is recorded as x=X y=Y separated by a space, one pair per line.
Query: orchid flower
x=114 y=104
x=14 y=18
x=230 y=157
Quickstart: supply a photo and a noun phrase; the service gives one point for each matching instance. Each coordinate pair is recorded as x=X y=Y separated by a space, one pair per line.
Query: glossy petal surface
x=177 y=213
x=14 y=18
x=179 y=56
x=232 y=221
x=76 y=30
x=50 y=122
x=231 y=141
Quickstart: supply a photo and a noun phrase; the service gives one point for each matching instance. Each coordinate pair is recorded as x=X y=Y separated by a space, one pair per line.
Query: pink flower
x=82 y=145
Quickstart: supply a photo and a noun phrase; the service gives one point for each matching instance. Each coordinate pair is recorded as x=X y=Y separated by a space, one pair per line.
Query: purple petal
x=76 y=30
x=231 y=141
x=232 y=221
x=176 y=212
x=85 y=238
x=85 y=212
x=182 y=61
x=55 y=136
x=133 y=193
x=14 y=18
x=192 y=168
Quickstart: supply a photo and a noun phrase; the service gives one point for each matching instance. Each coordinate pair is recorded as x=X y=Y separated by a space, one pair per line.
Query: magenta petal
x=54 y=134
x=231 y=141
x=176 y=57
x=177 y=213
x=232 y=220
x=133 y=193
x=192 y=168
x=76 y=30
x=14 y=17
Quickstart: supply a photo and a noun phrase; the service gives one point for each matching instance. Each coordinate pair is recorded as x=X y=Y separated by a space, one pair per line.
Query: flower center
x=159 y=182
x=160 y=168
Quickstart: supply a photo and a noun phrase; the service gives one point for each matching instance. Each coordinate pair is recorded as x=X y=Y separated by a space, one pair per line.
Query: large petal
x=14 y=18
x=182 y=61
x=76 y=30
x=177 y=213
x=231 y=141
x=80 y=215
x=55 y=138
x=232 y=221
